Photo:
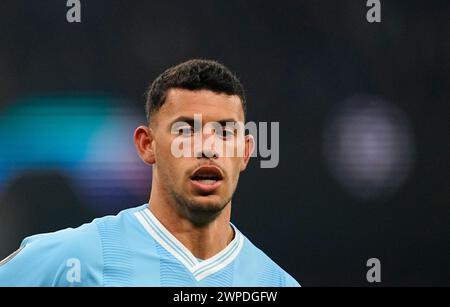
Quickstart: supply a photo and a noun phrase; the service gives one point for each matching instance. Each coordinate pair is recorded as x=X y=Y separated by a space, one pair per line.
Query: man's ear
x=248 y=150
x=145 y=144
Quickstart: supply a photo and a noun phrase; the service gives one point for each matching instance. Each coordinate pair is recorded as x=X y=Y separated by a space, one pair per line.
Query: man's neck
x=202 y=241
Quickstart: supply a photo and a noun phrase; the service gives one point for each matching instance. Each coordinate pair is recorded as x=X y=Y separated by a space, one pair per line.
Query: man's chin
x=202 y=210
x=210 y=203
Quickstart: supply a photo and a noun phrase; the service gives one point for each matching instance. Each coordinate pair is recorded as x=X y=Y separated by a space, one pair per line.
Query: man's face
x=206 y=180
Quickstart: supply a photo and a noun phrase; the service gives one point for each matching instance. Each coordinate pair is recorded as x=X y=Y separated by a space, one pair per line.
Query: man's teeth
x=207 y=181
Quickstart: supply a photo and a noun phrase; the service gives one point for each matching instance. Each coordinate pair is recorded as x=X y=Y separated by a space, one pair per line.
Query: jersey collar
x=199 y=269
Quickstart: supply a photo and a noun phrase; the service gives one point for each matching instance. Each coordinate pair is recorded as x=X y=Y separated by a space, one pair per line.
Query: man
x=183 y=236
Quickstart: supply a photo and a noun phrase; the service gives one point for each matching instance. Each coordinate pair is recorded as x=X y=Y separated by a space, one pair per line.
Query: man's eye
x=227 y=133
x=185 y=131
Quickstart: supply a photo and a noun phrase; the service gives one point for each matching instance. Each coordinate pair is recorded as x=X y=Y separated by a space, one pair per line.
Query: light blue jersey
x=134 y=249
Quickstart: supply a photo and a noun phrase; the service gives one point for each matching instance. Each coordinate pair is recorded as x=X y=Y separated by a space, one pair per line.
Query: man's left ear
x=248 y=151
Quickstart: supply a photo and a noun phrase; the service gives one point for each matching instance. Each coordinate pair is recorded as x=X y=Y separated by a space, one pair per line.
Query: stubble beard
x=199 y=214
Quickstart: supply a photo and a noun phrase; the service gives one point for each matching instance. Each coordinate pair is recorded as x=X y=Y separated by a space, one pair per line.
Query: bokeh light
x=86 y=138
x=368 y=147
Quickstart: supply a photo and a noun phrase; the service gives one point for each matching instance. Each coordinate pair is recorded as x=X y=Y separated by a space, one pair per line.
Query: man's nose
x=208 y=154
x=209 y=146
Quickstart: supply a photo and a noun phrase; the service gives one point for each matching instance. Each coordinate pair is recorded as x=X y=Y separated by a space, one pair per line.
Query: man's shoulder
x=63 y=237
x=83 y=236
x=49 y=258
x=259 y=261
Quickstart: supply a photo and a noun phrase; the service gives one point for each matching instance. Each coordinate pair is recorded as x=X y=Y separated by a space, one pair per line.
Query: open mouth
x=207 y=174
x=207 y=178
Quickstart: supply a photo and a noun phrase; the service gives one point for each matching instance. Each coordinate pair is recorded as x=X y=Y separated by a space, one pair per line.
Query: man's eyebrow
x=187 y=119
x=190 y=120
x=224 y=122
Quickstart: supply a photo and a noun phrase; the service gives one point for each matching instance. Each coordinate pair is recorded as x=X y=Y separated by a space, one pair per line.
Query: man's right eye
x=186 y=131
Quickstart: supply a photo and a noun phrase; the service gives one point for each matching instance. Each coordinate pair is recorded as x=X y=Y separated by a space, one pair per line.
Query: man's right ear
x=145 y=144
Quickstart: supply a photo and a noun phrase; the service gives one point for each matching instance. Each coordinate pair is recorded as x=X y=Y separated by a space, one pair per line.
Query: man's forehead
x=212 y=106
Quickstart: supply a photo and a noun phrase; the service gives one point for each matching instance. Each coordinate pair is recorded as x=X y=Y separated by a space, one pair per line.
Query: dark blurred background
x=363 y=111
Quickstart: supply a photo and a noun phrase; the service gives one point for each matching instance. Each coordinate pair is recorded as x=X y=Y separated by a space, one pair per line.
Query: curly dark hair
x=193 y=75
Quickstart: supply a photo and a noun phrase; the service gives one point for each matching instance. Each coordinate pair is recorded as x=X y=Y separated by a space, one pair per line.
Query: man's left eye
x=227 y=133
